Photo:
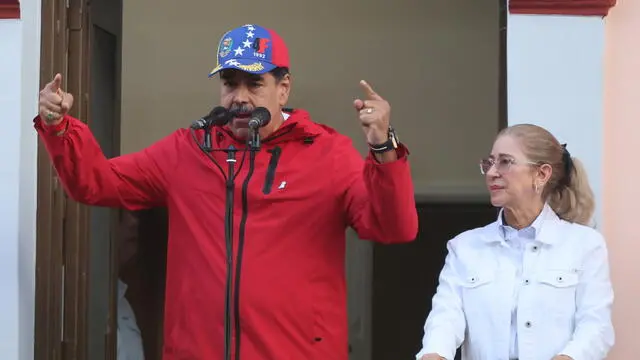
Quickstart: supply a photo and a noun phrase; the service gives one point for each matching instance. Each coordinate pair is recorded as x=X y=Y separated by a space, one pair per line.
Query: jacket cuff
x=572 y=350
x=442 y=346
x=402 y=153
x=58 y=130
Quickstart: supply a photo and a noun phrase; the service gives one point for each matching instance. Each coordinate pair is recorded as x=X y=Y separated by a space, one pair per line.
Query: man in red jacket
x=275 y=290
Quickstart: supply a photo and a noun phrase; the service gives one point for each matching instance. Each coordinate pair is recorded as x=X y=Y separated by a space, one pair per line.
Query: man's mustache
x=240 y=109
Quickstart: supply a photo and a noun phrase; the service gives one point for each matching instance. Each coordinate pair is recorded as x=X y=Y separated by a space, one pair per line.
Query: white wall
x=19 y=76
x=10 y=43
x=30 y=86
x=554 y=76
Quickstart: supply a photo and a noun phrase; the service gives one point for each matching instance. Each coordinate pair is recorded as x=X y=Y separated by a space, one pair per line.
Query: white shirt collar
x=534 y=230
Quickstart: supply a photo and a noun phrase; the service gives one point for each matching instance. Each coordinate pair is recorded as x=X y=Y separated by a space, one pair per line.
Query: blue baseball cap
x=251 y=48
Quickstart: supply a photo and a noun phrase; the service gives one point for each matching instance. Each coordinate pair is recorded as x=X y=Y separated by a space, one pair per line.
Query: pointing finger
x=55 y=84
x=369 y=91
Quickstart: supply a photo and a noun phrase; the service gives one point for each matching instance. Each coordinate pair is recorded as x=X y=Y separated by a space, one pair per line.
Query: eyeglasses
x=503 y=164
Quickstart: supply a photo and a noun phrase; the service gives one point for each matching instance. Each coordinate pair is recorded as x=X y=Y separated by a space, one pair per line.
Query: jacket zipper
x=229 y=247
x=271 y=170
x=243 y=224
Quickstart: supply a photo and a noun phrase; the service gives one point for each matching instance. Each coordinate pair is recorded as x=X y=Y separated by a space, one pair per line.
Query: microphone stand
x=207 y=139
x=233 y=304
x=253 y=142
x=253 y=146
x=228 y=225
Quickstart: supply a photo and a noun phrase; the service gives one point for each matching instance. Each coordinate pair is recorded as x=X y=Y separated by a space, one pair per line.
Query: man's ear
x=284 y=88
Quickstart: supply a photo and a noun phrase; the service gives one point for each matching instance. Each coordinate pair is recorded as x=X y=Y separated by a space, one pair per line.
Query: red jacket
x=292 y=299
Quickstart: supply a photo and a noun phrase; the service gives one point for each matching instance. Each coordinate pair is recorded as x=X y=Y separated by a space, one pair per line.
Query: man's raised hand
x=373 y=113
x=54 y=103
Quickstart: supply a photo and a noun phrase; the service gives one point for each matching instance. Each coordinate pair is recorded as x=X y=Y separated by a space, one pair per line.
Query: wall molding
x=561 y=7
x=9 y=9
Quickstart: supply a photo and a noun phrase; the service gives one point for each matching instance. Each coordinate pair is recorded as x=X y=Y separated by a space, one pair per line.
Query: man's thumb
x=358 y=104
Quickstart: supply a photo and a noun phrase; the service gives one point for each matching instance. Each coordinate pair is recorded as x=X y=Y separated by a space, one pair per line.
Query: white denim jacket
x=562 y=303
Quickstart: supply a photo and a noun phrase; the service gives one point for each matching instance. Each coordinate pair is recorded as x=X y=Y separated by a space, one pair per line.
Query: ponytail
x=573 y=199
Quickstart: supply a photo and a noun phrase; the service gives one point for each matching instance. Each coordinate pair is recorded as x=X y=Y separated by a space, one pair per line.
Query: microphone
x=259 y=118
x=200 y=124
x=218 y=116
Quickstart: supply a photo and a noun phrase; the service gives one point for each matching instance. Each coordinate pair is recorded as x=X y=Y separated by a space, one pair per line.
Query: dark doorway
x=146 y=279
x=406 y=276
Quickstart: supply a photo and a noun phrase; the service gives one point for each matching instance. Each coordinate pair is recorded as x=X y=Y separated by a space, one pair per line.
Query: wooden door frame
x=50 y=207
x=62 y=225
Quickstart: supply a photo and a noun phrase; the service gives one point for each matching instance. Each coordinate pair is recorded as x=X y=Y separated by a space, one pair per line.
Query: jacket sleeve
x=593 y=336
x=378 y=198
x=133 y=181
x=445 y=326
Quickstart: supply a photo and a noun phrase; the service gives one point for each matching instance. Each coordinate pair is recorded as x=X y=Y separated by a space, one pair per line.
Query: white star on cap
x=251 y=28
x=250 y=34
x=238 y=51
x=247 y=43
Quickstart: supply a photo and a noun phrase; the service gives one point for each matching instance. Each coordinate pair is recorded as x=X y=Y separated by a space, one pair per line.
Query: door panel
x=63 y=238
x=76 y=215
x=51 y=199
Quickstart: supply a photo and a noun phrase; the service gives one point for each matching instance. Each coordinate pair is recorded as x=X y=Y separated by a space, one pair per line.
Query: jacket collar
x=542 y=227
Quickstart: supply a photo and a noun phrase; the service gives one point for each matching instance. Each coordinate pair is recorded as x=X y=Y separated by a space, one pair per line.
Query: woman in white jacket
x=533 y=285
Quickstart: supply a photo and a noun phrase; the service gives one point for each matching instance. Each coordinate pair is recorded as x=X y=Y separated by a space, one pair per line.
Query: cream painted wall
x=621 y=192
x=435 y=61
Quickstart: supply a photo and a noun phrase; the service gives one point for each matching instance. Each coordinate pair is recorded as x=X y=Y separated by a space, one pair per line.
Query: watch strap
x=391 y=143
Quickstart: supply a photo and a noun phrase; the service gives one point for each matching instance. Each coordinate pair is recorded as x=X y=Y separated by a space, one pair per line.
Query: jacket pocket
x=474 y=280
x=559 y=279
x=557 y=291
x=477 y=290
x=314 y=335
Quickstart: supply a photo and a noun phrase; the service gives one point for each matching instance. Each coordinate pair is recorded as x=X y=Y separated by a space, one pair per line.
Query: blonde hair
x=568 y=191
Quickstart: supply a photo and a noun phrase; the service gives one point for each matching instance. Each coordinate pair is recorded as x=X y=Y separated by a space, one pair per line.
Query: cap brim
x=247 y=65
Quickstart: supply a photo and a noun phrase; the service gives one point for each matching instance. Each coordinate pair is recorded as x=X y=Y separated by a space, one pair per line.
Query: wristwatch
x=391 y=144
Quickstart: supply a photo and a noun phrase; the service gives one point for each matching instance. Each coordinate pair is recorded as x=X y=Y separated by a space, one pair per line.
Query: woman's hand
x=433 y=357
x=562 y=357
